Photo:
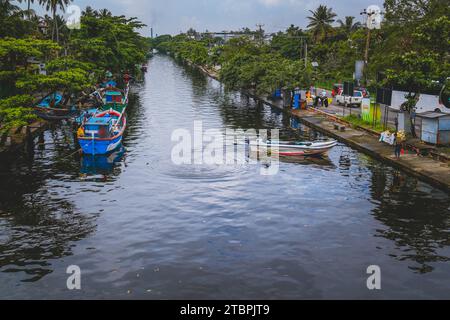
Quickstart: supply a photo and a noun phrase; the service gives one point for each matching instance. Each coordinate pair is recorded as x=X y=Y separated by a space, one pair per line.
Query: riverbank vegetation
x=410 y=51
x=74 y=58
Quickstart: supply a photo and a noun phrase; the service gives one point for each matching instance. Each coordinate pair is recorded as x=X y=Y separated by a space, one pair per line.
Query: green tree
x=413 y=73
x=348 y=25
x=53 y=5
x=320 y=23
x=29 y=2
x=15 y=112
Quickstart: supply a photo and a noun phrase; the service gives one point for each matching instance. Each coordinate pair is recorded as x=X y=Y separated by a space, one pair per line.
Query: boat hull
x=116 y=107
x=284 y=149
x=60 y=113
x=99 y=147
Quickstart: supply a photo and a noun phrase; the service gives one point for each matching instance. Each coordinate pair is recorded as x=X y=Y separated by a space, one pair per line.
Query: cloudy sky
x=173 y=16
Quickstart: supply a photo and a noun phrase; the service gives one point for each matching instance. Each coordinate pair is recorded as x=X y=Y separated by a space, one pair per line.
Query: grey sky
x=173 y=16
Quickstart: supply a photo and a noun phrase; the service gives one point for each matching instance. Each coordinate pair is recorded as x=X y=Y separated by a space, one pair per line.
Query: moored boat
x=293 y=148
x=84 y=115
x=114 y=98
x=102 y=133
x=52 y=107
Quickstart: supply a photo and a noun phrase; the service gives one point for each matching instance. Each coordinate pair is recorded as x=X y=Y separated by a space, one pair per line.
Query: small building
x=435 y=128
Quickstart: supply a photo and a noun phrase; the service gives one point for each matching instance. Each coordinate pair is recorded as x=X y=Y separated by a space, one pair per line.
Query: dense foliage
x=411 y=50
x=74 y=59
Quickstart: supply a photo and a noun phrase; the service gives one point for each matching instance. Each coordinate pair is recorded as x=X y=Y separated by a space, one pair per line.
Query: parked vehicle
x=355 y=100
x=365 y=92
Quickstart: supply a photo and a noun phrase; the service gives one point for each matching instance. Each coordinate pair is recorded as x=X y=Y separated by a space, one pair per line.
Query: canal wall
x=425 y=168
x=19 y=138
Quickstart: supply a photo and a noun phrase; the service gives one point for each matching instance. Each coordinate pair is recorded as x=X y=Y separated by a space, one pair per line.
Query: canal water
x=139 y=226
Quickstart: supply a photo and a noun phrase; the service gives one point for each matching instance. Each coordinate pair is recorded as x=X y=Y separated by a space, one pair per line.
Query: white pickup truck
x=355 y=100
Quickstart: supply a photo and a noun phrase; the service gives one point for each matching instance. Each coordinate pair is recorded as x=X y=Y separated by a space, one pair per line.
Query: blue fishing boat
x=102 y=133
x=85 y=115
x=51 y=100
x=52 y=107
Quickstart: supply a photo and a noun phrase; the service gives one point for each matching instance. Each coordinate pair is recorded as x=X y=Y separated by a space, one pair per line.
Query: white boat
x=293 y=148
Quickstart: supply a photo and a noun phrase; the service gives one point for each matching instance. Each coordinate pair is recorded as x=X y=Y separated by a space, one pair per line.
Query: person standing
x=397 y=146
x=126 y=77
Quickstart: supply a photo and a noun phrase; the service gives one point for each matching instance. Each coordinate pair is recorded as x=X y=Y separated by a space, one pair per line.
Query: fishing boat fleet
x=99 y=118
x=101 y=130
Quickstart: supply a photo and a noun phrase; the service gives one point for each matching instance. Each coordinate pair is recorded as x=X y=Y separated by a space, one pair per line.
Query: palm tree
x=105 y=13
x=7 y=8
x=89 y=12
x=348 y=26
x=320 y=21
x=53 y=5
x=29 y=2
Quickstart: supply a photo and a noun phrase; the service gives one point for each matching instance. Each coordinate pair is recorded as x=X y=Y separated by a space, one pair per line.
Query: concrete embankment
x=432 y=171
x=18 y=138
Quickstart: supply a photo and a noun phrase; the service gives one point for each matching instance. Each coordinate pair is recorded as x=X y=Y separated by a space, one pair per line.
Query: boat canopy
x=111 y=83
x=46 y=102
x=99 y=127
x=113 y=96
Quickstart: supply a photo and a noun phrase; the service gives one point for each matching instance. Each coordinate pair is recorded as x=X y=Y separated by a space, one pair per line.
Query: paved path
x=434 y=172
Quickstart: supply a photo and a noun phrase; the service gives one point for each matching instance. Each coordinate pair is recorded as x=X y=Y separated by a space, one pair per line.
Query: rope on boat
x=70 y=155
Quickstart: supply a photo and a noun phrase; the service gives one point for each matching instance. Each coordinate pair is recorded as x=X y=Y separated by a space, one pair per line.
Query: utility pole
x=366 y=53
x=306 y=54
x=371 y=13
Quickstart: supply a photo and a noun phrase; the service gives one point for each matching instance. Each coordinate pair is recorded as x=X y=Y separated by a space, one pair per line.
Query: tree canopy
x=74 y=59
x=412 y=48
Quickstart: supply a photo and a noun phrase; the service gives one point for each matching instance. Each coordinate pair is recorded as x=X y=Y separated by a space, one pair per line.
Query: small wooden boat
x=293 y=148
x=52 y=107
x=102 y=133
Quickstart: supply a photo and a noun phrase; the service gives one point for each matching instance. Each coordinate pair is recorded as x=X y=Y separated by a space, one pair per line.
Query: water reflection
x=308 y=232
x=416 y=218
x=102 y=164
x=37 y=224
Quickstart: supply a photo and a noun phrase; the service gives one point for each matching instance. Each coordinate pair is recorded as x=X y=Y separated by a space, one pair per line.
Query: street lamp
x=373 y=14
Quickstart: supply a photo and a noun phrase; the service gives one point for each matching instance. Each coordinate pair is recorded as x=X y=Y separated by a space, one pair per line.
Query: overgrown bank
x=74 y=59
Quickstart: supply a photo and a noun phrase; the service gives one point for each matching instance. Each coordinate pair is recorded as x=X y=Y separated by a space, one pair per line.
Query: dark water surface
x=143 y=227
